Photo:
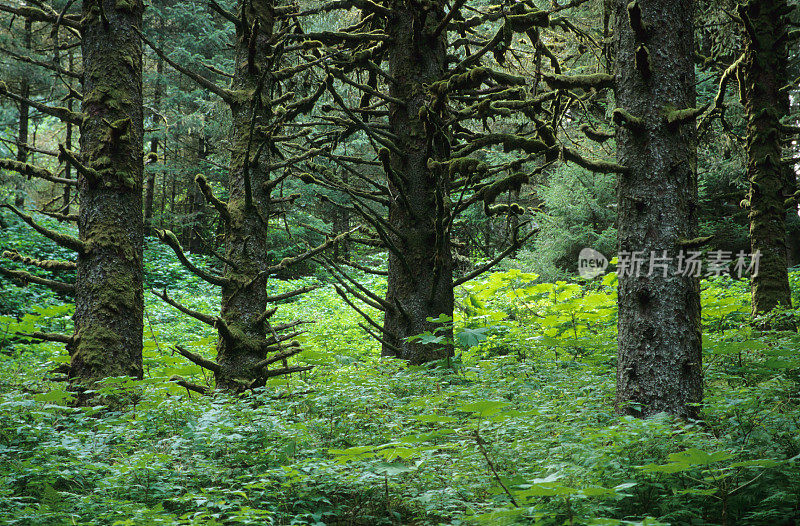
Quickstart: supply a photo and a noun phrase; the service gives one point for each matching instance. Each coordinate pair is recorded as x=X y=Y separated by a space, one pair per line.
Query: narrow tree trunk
x=420 y=281
x=24 y=118
x=659 y=347
x=109 y=297
x=68 y=145
x=244 y=299
x=765 y=75
x=150 y=186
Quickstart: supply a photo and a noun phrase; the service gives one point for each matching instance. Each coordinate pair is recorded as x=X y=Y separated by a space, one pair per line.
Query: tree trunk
x=765 y=75
x=150 y=187
x=68 y=145
x=109 y=296
x=420 y=281
x=244 y=298
x=659 y=346
x=24 y=118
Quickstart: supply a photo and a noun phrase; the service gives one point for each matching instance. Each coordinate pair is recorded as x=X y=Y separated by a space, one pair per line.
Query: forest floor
x=519 y=428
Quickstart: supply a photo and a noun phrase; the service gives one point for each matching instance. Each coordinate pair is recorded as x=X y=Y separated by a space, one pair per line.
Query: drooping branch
x=189 y=386
x=226 y=95
x=291 y=294
x=58 y=112
x=597 y=166
x=38 y=15
x=197 y=359
x=42 y=64
x=62 y=240
x=205 y=318
x=34 y=171
x=168 y=238
x=489 y=265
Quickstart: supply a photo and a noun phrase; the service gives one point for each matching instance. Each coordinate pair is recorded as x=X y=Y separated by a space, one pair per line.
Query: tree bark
x=244 y=298
x=24 y=118
x=659 y=346
x=109 y=296
x=764 y=76
x=420 y=280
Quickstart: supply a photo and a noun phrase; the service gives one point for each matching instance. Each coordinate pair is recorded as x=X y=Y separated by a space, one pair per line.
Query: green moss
x=128 y=6
x=93 y=345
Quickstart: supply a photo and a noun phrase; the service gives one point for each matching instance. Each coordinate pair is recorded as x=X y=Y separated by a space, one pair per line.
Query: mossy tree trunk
x=24 y=119
x=764 y=76
x=420 y=280
x=244 y=297
x=659 y=346
x=109 y=301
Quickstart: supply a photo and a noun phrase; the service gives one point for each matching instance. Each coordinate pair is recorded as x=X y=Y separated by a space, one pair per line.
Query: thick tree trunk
x=659 y=353
x=244 y=299
x=24 y=119
x=420 y=281
x=765 y=75
x=109 y=301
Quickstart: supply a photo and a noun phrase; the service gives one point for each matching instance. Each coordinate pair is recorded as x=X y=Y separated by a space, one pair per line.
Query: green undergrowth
x=518 y=428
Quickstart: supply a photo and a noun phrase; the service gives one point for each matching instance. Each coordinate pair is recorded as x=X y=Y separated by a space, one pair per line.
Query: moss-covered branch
x=92 y=176
x=596 y=135
x=61 y=240
x=596 y=81
x=684 y=116
x=592 y=165
x=220 y=205
x=37 y=15
x=30 y=170
x=58 y=112
x=168 y=238
x=47 y=264
x=288 y=262
x=26 y=277
x=622 y=117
